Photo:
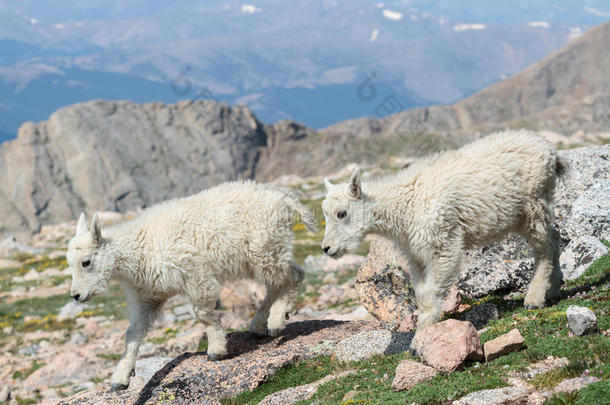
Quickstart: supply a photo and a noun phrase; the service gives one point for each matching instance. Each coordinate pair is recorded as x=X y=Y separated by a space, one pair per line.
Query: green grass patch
x=25 y=401
x=553 y=377
x=203 y=345
x=25 y=373
x=597 y=274
x=42 y=264
x=43 y=311
x=596 y=393
x=303 y=372
x=374 y=383
x=110 y=356
x=168 y=333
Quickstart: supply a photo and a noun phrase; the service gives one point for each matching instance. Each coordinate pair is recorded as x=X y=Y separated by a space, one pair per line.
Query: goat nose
x=326 y=249
x=76 y=297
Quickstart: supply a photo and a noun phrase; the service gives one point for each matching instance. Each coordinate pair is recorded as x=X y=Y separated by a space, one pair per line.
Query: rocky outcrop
x=579 y=254
x=120 y=156
x=190 y=378
x=384 y=284
x=590 y=214
x=367 y=344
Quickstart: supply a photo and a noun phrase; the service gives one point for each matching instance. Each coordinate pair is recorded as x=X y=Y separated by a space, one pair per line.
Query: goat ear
x=328 y=184
x=96 y=230
x=81 y=227
x=355 y=188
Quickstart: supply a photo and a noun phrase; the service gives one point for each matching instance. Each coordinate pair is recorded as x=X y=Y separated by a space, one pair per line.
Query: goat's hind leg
x=547 y=279
x=544 y=240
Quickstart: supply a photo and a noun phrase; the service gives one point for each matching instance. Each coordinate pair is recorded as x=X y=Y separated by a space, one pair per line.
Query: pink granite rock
x=447 y=345
x=504 y=344
x=410 y=373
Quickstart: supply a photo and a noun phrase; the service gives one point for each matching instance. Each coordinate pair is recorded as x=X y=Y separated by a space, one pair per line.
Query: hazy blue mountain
x=301 y=59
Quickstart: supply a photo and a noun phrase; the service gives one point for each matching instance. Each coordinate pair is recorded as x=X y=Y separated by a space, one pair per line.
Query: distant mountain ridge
x=104 y=155
x=269 y=55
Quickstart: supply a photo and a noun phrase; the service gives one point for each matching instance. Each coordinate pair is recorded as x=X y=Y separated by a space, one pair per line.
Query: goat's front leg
x=431 y=289
x=203 y=297
x=141 y=317
x=217 y=338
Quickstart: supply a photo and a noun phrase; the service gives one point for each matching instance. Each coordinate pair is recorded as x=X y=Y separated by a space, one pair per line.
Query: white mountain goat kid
x=449 y=202
x=192 y=246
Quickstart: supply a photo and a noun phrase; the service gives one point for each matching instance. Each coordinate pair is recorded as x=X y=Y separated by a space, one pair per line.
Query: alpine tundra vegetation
x=193 y=245
x=439 y=206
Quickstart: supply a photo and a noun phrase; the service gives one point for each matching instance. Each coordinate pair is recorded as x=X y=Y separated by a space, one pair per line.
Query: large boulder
x=447 y=345
x=590 y=213
x=580 y=253
x=367 y=344
x=498 y=268
x=584 y=168
x=193 y=379
x=384 y=284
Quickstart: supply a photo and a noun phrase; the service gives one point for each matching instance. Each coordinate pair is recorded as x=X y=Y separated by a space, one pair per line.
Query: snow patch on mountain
x=468 y=27
x=392 y=15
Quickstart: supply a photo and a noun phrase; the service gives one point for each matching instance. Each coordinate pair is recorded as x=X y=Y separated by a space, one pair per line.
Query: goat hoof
x=532 y=306
x=133 y=372
x=274 y=332
x=118 y=386
x=216 y=356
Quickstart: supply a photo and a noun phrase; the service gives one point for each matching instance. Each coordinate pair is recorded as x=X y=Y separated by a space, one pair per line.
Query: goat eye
x=341 y=214
x=86 y=263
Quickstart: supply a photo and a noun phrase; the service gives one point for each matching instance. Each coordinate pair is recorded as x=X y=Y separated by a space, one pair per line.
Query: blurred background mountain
x=301 y=60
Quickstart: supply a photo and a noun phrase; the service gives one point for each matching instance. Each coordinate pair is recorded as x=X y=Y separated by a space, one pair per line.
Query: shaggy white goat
x=193 y=245
x=452 y=201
